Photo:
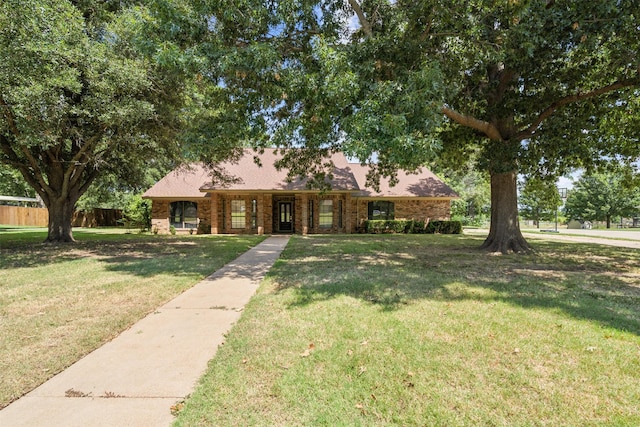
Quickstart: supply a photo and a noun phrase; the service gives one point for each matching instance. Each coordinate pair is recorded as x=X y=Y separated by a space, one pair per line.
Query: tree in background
x=137 y=213
x=602 y=197
x=472 y=185
x=87 y=89
x=539 y=200
x=530 y=85
x=12 y=184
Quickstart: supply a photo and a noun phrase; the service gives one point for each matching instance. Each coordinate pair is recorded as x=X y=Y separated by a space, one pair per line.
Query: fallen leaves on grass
x=308 y=351
x=177 y=407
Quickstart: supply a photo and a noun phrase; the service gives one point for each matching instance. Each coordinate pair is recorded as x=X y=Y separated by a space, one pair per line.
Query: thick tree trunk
x=60 y=218
x=504 y=234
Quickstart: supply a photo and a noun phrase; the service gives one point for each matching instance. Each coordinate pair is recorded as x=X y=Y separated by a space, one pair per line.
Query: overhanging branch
x=551 y=109
x=366 y=25
x=486 y=128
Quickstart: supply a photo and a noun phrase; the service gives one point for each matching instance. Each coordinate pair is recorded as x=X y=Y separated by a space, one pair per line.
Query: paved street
x=613 y=237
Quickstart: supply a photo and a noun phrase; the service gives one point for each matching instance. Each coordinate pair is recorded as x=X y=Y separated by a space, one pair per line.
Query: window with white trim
x=325 y=214
x=238 y=214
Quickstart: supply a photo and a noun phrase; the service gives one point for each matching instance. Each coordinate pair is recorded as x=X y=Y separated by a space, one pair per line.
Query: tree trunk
x=608 y=222
x=504 y=234
x=60 y=218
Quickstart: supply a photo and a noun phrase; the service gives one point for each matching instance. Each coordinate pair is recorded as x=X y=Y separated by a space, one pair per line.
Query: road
x=619 y=238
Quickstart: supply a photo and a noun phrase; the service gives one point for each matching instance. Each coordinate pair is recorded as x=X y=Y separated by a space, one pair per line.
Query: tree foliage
x=472 y=185
x=12 y=184
x=137 y=213
x=602 y=197
x=534 y=86
x=87 y=88
x=539 y=200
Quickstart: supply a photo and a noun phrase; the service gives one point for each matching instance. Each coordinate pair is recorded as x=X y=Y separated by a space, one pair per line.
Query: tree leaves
x=602 y=196
x=82 y=96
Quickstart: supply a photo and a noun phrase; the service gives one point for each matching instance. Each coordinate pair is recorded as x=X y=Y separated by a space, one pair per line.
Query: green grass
x=59 y=302
x=426 y=330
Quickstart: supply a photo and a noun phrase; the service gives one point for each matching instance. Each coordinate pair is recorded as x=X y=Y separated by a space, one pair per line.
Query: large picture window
x=381 y=209
x=237 y=214
x=325 y=214
x=183 y=214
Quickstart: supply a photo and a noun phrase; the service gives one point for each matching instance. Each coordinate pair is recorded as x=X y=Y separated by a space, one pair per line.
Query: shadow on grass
x=142 y=255
x=591 y=282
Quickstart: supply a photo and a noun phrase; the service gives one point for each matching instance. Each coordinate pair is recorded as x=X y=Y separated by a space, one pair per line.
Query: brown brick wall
x=354 y=213
x=336 y=227
x=405 y=209
x=160 y=215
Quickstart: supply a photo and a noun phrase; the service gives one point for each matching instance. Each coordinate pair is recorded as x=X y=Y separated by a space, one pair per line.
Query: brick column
x=267 y=213
x=260 y=214
x=215 y=227
x=346 y=211
x=304 y=213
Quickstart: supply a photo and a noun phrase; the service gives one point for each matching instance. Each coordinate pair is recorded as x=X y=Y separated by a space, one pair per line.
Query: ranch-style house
x=259 y=200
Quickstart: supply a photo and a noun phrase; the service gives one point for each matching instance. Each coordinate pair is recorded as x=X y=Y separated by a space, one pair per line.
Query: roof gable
x=183 y=182
x=421 y=184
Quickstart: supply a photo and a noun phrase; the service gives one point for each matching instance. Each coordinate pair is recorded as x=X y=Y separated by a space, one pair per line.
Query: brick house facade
x=261 y=200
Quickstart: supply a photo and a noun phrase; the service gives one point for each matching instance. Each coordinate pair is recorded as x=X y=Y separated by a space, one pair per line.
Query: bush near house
x=408 y=226
x=444 y=227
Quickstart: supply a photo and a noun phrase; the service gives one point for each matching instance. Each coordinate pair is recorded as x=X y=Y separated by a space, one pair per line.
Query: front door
x=285 y=216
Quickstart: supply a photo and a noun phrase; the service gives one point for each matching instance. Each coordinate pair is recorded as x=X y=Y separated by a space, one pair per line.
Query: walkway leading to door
x=136 y=378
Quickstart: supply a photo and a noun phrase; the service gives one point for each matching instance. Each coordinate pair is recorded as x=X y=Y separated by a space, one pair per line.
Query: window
x=254 y=213
x=381 y=209
x=183 y=214
x=237 y=214
x=310 y=213
x=340 y=213
x=326 y=214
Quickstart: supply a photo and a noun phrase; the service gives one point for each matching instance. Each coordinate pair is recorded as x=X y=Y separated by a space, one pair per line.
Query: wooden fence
x=18 y=215
x=39 y=217
x=97 y=218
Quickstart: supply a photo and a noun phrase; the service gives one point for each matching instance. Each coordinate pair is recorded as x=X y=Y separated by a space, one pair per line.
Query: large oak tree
x=533 y=86
x=87 y=88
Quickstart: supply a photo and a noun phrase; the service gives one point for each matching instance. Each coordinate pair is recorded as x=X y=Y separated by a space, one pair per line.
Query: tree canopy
x=533 y=86
x=12 y=184
x=86 y=88
x=602 y=197
x=539 y=200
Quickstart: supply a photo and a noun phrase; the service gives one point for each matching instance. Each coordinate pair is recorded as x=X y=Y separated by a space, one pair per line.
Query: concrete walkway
x=136 y=378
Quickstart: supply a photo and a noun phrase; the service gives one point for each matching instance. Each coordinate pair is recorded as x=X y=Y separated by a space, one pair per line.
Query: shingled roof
x=251 y=177
x=421 y=184
x=195 y=181
x=184 y=183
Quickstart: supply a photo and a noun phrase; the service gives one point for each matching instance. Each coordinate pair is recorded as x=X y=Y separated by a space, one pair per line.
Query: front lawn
x=59 y=302
x=426 y=330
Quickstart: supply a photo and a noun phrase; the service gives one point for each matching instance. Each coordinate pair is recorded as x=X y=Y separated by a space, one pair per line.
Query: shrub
x=380 y=226
x=204 y=228
x=408 y=226
x=444 y=227
x=172 y=230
